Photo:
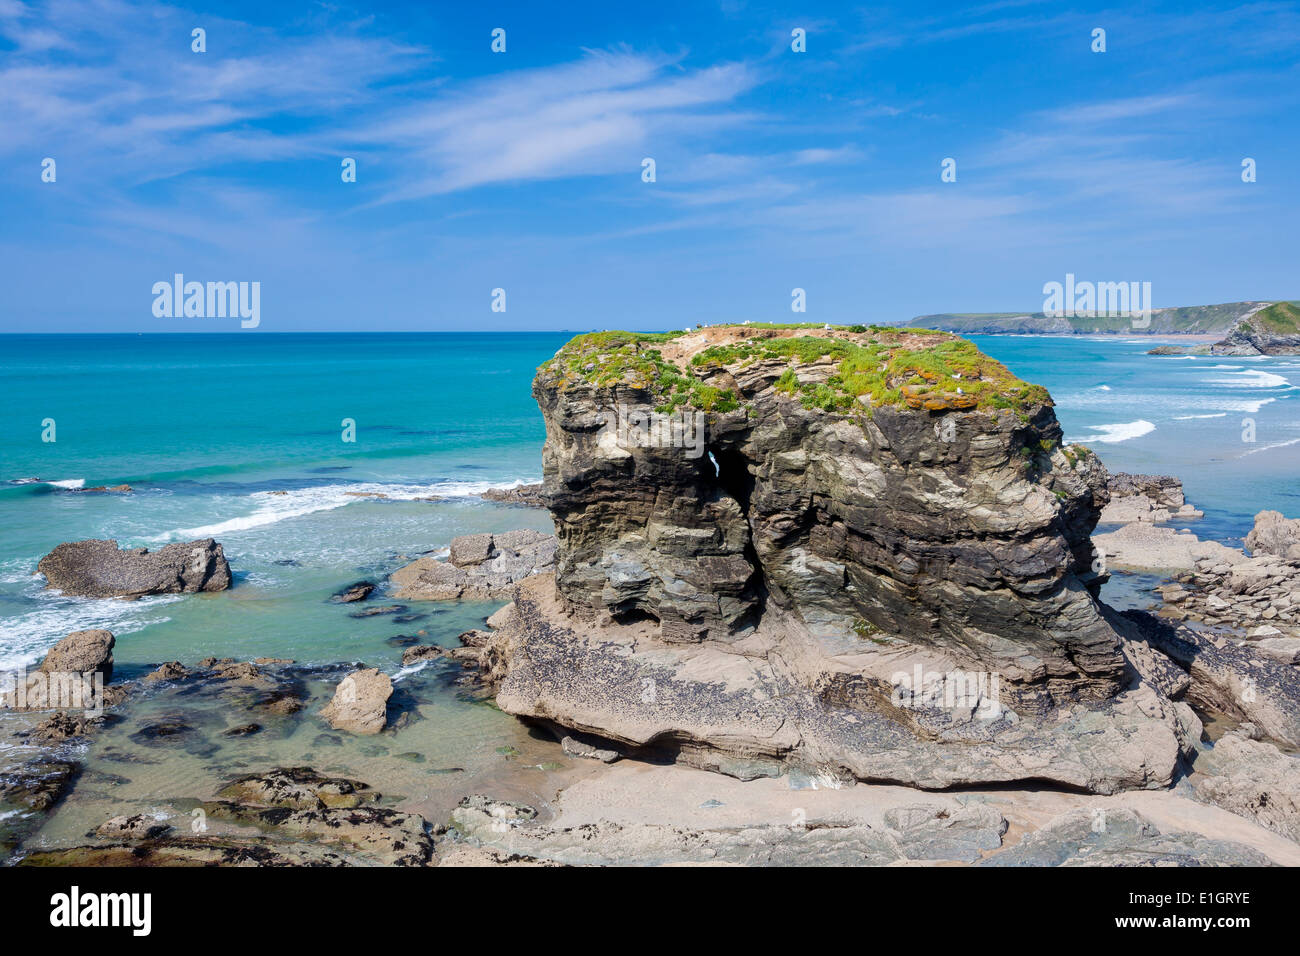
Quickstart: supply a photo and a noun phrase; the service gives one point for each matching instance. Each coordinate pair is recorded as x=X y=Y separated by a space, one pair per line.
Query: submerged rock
x=298 y=788
x=38 y=785
x=137 y=826
x=243 y=730
x=98 y=568
x=379 y=611
x=354 y=592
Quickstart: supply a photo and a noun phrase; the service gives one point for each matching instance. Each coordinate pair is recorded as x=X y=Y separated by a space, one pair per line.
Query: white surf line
x=1280 y=444
x=1121 y=431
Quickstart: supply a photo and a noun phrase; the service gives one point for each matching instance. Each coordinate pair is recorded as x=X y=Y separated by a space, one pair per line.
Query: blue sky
x=522 y=170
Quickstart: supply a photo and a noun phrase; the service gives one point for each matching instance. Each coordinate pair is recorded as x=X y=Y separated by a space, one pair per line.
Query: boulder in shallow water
x=83 y=652
x=99 y=568
x=360 y=704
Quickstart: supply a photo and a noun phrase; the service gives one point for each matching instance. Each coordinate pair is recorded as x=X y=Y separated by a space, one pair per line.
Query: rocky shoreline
x=1268 y=328
x=862 y=626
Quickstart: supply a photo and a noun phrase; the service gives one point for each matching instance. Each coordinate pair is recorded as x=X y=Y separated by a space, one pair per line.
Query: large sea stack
x=767 y=533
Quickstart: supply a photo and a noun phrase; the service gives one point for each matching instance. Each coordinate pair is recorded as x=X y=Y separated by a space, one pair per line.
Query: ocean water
x=241 y=437
x=1228 y=427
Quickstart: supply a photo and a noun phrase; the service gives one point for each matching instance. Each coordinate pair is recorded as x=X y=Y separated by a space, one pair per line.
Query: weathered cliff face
x=953 y=520
x=1274 y=330
x=862 y=551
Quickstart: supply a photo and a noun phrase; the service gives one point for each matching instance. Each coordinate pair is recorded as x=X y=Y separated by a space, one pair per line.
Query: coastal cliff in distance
x=1273 y=330
x=1181 y=320
x=876 y=558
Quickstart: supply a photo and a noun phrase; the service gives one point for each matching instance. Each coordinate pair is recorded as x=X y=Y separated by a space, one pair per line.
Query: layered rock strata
x=764 y=534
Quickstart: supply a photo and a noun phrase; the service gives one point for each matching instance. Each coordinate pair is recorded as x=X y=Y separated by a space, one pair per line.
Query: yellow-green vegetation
x=885 y=367
x=631 y=358
x=864 y=628
x=874 y=366
x=1280 y=317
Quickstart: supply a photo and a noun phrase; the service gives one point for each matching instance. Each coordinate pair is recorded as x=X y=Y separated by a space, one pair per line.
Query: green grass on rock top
x=872 y=366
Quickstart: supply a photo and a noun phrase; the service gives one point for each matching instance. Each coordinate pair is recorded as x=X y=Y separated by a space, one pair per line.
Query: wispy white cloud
x=598 y=115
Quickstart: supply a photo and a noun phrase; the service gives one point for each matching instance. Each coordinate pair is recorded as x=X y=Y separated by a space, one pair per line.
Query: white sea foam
x=1102 y=388
x=1121 y=431
x=68 y=483
x=410 y=669
x=1252 y=378
x=27 y=636
x=1176 y=358
x=1277 y=444
x=271 y=508
x=1251 y=407
x=1184 y=418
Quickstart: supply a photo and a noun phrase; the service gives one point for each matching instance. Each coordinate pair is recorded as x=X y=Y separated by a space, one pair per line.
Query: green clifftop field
x=1280 y=317
x=1187 y=320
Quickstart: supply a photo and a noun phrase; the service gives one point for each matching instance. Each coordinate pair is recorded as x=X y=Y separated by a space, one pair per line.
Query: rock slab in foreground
x=912 y=834
x=1227 y=677
x=98 y=568
x=1251 y=779
x=749 y=716
x=1121 y=838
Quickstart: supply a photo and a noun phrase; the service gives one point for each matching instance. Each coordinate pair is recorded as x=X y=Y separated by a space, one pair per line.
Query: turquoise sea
x=241 y=437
